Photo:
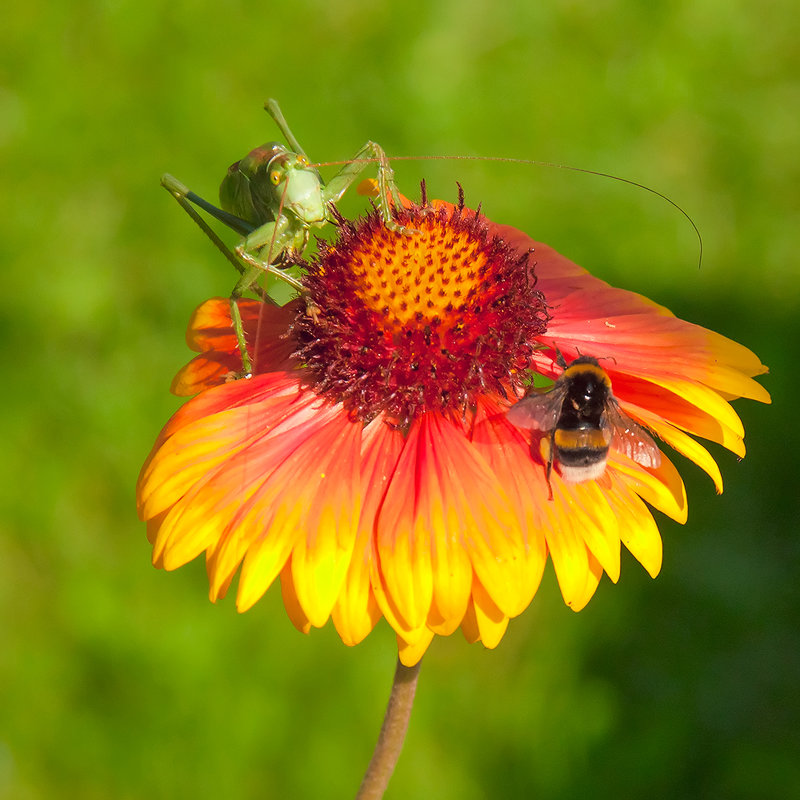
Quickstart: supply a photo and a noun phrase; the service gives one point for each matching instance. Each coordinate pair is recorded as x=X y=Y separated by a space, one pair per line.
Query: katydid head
x=297 y=188
x=270 y=181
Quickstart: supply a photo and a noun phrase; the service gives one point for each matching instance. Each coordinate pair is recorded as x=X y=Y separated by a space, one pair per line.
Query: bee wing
x=630 y=438
x=538 y=411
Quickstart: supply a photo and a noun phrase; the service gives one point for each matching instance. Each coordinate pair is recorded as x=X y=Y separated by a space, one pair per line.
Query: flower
x=369 y=462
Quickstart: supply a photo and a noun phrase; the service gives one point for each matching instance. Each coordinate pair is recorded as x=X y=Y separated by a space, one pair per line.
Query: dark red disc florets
x=404 y=322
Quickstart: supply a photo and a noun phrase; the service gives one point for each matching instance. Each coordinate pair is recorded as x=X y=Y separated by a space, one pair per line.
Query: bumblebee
x=581 y=420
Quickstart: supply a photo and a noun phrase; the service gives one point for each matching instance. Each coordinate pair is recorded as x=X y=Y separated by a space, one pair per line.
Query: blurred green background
x=120 y=681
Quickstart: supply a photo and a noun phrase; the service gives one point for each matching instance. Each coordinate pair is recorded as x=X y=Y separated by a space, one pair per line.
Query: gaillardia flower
x=369 y=461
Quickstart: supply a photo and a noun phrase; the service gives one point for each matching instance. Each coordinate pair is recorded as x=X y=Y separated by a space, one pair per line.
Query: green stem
x=393 y=733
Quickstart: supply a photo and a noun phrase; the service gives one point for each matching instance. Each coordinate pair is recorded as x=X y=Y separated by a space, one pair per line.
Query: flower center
x=419 y=279
x=401 y=323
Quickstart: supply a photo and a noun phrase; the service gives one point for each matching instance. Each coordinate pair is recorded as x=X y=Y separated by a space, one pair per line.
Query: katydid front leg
x=388 y=195
x=332 y=191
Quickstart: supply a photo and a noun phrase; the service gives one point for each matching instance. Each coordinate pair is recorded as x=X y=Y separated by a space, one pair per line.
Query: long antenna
x=535 y=163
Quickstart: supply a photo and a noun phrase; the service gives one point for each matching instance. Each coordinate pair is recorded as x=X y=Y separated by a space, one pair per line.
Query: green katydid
x=272 y=198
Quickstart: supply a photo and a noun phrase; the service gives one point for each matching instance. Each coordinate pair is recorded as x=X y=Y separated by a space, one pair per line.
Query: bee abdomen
x=580 y=439
x=582 y=453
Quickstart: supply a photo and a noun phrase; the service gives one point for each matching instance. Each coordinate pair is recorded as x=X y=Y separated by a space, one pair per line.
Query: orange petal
x=584 y=536
x=332 y=499
x=190 y=456
x=308 y=504
x=404 y=555
x=506 y=449
x=420 y=531
x=203 y=372
x=207 y=470
x=492 y=532
x=356 y=610
x=651 y=403
x=254 y=482
x=274 y=387
x=305 y=506
x=211 y=333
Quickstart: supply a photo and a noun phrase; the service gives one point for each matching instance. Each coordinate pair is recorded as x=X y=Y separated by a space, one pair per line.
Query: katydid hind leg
x=179 y=191
x=182 y=199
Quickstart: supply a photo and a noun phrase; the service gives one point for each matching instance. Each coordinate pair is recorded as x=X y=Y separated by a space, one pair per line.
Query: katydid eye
x=275 y=176
x=302 y=161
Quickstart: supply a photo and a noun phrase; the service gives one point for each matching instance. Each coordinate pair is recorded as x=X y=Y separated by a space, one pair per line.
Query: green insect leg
x=388 y=195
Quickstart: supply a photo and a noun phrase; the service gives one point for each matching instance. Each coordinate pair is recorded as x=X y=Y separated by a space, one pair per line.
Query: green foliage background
x=119 y=681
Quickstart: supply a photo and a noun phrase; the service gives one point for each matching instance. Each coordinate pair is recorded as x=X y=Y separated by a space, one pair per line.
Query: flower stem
x=393 y=733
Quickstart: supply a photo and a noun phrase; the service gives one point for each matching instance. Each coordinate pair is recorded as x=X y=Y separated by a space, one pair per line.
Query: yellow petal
x=411 y=650
x=662 y=487
x=693 y=450
x=705 y=399
x=291 y=603
x=597 y=524
x=592 y=581
x=638 y=529
x=490 y=621
x=567 y=548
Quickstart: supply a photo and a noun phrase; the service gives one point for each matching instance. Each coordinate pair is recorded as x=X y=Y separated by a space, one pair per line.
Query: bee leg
x=549 y=468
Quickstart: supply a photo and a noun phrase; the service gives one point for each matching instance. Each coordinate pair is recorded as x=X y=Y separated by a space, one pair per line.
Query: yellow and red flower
x=369 y=462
